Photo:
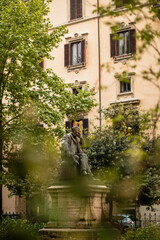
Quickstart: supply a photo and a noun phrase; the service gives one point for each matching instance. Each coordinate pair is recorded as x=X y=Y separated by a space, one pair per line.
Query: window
x=82 y=124
x=123 y=43
x=125 y=85
x=156 y=3
x=75 y=90
x=75 y=9
x=74 y=53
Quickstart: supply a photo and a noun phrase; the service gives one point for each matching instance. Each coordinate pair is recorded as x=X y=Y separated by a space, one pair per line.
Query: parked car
x=122 y=221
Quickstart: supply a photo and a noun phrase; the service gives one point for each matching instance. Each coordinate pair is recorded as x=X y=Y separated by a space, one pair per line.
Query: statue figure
x=74 y=160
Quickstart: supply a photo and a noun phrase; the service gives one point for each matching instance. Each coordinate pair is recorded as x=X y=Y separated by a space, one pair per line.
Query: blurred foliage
x=19 y=229
x=33 y=101
x=145 y=233
x=124 y=155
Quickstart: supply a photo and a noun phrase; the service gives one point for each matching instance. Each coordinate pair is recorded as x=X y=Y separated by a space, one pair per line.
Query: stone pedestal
x=76 y=212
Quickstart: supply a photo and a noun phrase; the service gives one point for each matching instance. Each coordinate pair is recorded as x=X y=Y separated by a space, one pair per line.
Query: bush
x=11 y=229
x=146 y=233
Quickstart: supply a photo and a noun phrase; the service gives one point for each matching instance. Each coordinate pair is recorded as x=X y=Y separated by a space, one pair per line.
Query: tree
x=144 y=16
x=29 y=95
x=124 y=155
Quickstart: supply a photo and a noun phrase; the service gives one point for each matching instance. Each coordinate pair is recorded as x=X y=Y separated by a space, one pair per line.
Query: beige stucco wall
x=13 y=204
x=8 y=203
x=142 y=90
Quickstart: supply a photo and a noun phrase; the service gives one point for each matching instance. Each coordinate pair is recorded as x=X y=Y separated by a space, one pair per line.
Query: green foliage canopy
x=29 y=95
x=124 y=155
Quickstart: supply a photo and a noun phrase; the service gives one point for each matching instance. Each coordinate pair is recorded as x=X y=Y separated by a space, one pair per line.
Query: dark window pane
x=126 y=42
x=67 y=126
x=74 y=54
x=121 y=44
x=75 y=90
x=125 y=86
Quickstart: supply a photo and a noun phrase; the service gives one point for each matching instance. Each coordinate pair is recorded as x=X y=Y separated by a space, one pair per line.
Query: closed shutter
x=83 y=51
x=113 y=42
x=79 y=8
x=85 y=126
x=67 y=126
x=132 y=41
x=75 y=9
x=72 y=9
x=66 y=55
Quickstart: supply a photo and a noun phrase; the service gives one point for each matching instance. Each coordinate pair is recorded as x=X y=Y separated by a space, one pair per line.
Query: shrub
x=146 y=233
x=19 y=229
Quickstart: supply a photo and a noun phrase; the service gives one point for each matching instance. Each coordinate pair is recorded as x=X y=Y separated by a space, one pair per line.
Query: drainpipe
x=99 y=69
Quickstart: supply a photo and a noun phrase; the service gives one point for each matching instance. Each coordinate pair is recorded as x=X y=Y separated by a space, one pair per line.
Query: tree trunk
x=1 y=156
x=110 y=209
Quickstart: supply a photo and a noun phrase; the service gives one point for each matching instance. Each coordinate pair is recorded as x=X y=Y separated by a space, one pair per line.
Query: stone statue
x=74 y=160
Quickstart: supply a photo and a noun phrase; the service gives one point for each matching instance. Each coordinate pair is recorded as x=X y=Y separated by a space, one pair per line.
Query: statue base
x=70 y=234
x=76 y=212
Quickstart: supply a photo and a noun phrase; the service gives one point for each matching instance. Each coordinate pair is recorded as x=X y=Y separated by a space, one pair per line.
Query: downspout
x=99 y=68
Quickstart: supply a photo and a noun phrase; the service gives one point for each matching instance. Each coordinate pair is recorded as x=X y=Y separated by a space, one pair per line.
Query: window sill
x=122 y=57
x=78 y=66
x=75 y=19
x=127 y=101
x=125 y=94
x=156 y=5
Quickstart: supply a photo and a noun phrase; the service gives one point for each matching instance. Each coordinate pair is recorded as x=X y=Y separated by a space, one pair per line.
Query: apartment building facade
x=84 y=56
x=90 y=54
x=89 y=46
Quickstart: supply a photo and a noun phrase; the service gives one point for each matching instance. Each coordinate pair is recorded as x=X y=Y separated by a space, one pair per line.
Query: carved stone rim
x=90 y=187
x=69 y=229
